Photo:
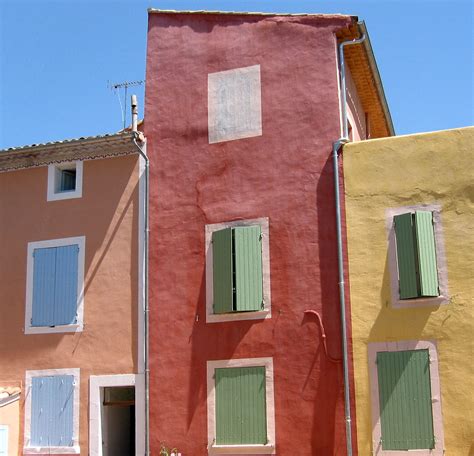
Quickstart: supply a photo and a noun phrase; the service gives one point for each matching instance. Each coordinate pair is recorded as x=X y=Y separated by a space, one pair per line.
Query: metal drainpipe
x=340 y=257
x=139 y=136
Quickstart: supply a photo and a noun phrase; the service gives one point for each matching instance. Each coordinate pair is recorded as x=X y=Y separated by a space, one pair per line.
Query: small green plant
x=164 y=451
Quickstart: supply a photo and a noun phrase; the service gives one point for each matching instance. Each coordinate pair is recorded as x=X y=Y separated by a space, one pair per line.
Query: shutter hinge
x=261 y=236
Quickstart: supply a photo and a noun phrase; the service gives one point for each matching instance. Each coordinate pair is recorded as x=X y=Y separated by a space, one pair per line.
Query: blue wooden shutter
x=222 y=270
x=55 y=286
x=428 y=271
x=241 y=406
x=3 y=440
x=65 y=290
x=44 y=278
x=248 y=268
x=52 y=400
x=406 y=256
x=405 y=400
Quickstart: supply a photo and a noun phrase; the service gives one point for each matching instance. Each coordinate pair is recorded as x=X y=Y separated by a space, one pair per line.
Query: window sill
x=242 y=449
x=54 y=329
x=421 y=302
x=52 y=450
x=237 y=316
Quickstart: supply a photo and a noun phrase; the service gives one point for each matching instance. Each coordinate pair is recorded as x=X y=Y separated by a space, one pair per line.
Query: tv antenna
x=124 y=85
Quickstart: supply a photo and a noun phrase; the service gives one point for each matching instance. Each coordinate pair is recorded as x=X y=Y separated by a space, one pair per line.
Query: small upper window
x=65 y=181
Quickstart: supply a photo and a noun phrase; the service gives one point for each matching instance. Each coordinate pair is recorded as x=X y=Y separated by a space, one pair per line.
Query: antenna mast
x=124 y=85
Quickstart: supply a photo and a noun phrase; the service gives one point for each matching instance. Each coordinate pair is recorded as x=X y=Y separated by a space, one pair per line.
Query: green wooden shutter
x=240 y=406
x=222 y=270
x=428 y=271
x=248 y=268
x=405 y=400
x=406 y=256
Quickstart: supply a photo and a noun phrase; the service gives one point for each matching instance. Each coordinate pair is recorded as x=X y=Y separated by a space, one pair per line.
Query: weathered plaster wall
x=107 y=215
x=405 y=171
x=286 y=175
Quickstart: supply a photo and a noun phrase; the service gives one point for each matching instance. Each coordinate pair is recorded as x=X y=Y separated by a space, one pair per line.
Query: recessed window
x=65 y=181
x=237 y=270
x=55 y=283
x=241 y=418
x=52 y=411
x=406 y=398
x=416 y=255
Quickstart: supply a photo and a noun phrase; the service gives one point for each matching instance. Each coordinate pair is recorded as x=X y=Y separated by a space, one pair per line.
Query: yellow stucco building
x=410 y=226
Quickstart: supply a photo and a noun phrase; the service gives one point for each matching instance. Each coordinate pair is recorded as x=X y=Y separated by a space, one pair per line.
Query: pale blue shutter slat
x=3 y=440
x=43 y=287
x=65 y=291
x=52 y=411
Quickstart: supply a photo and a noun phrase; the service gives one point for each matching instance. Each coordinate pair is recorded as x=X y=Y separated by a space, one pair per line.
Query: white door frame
x=95 y=404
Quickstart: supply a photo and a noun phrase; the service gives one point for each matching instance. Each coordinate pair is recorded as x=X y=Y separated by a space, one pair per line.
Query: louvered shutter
x=44 y=278
x=406 y=256
x=3 y=440
x=240 y=406
x=222 y=270
x=52 y=411
x=65 y=290
x=248 y=268
x=405 y=400
x=426 y=247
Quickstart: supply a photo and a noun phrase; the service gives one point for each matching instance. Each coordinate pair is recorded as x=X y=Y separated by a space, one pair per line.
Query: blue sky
x=57 y=57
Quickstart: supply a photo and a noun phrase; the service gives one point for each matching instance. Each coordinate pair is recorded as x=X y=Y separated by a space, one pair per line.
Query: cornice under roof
x=86 y=148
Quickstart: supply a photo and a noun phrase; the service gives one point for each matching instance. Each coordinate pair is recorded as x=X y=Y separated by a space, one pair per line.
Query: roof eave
x=377 y=79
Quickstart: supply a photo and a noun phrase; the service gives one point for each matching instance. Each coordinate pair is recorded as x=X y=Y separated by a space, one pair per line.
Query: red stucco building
x=241 y=113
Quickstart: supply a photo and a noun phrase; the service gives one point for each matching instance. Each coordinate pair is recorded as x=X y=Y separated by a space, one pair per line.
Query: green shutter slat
x=406 y=256
x=248 y=268
x=405 y=400
x=222 y=270
x=428 y=271
x=240 y=406
x=254 y=419
x=228 y=407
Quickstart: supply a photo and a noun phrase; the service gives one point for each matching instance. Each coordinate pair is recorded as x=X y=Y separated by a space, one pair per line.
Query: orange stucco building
x=70 y=296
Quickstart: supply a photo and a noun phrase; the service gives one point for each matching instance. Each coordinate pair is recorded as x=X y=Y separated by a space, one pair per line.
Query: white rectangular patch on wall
x=234 y=104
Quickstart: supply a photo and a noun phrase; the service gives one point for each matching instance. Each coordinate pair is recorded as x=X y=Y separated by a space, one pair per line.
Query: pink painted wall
x=286 y=175
x=107 y=215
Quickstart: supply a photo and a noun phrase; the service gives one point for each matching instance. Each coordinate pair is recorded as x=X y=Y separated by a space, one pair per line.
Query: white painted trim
x=52 y=195
x=269 y=448
x=97 y=382
x=75 y=449
x=443 y=297
x=77 y=327
x=376 y=347
x=5 y=427
x=236 y=316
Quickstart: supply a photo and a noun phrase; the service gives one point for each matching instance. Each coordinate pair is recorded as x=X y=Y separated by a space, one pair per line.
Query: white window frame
x=443 y=297
x=5 y=427
x=75 y=449
x=213 y=448
x=96 y=385
x=211 y=317
x=75 y=327
x=377 y=347
x=52 y=194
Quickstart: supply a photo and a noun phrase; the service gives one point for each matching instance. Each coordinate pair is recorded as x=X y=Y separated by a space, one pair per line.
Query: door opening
x=118 y=420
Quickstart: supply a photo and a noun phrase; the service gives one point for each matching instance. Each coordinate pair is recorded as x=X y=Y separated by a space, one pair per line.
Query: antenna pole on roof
x=123 y=107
